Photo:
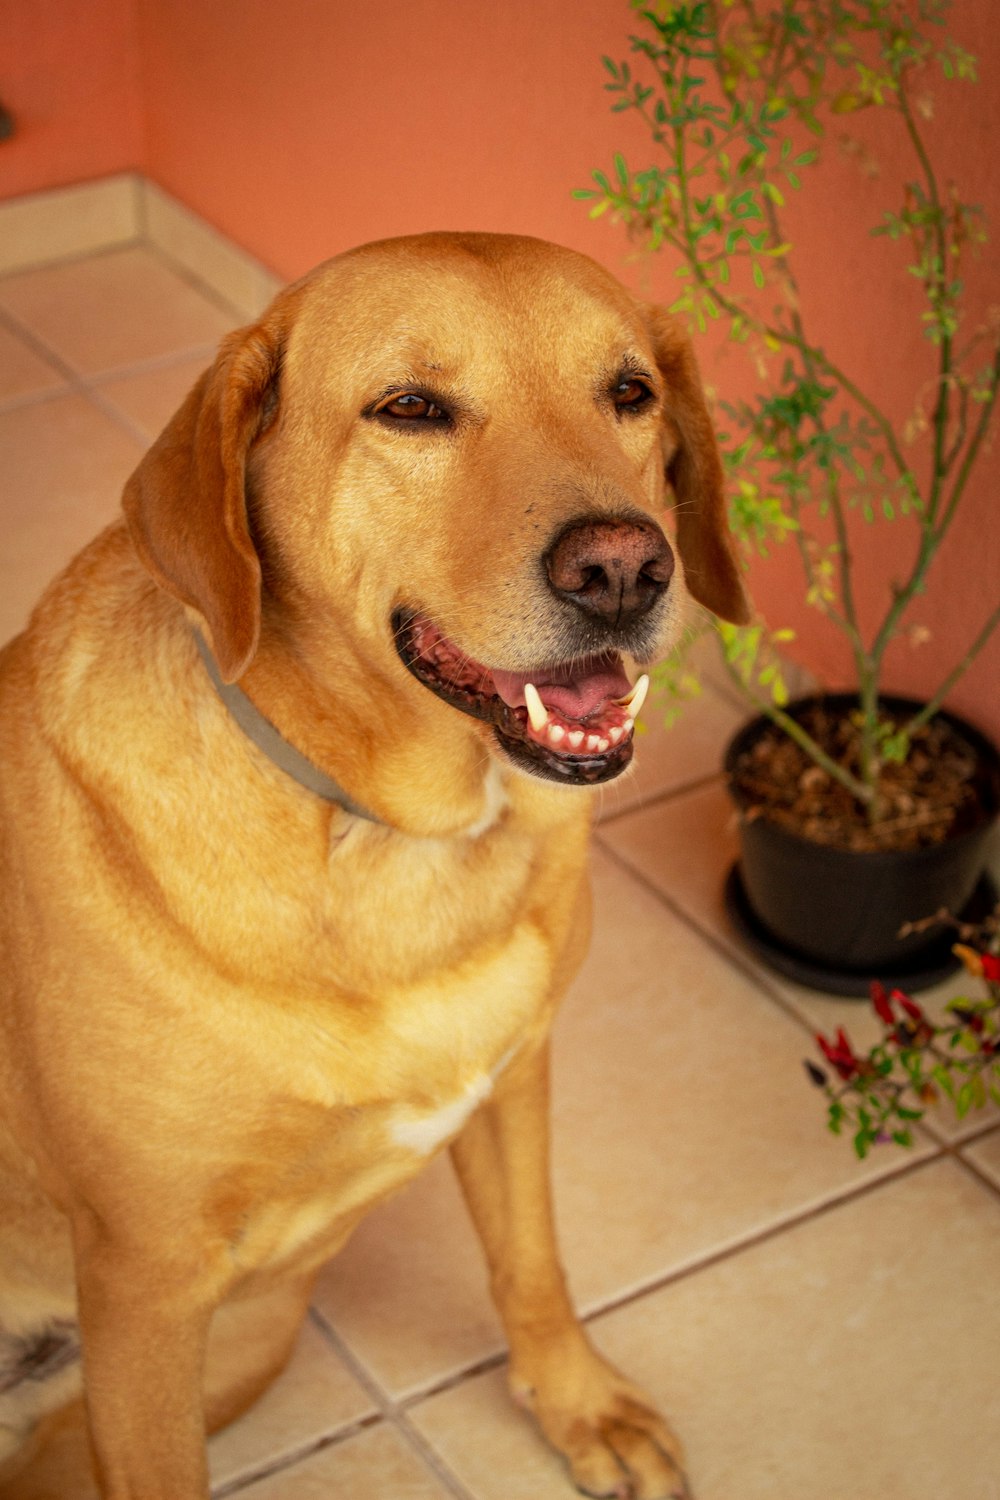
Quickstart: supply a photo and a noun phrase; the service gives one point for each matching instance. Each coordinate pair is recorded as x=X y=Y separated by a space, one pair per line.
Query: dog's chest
x=382 y=1090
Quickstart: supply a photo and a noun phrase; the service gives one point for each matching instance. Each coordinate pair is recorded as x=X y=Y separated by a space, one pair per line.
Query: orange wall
x=70 y=77
x=304 y=127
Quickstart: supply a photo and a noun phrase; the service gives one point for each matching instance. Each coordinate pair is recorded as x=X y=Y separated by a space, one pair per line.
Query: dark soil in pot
x=823 y=895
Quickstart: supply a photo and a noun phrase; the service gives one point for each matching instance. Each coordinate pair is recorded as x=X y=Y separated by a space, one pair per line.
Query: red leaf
x=910 y=1006
x=882 y=1004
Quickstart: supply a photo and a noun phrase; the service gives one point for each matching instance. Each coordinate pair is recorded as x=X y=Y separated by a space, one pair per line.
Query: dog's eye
x=409 y=406
x=630 y=393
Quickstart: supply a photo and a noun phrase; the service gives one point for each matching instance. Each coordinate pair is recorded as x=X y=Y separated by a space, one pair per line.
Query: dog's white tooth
x=593 y=741
x=575 y=738
x=616 y=734
x=603 y=744
x=628 y=725
x=537 y=712
x=637 y=696
x=556 y=733
x=634 y=700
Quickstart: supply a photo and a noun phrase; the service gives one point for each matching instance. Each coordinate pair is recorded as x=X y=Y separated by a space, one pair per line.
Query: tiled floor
x=817 y=1329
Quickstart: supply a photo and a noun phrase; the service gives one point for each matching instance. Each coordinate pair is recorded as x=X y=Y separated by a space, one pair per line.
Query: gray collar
x=275 y=747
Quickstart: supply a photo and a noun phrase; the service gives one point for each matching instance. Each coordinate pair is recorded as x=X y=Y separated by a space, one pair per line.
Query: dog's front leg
x=613 y=1439
x=144 y=1324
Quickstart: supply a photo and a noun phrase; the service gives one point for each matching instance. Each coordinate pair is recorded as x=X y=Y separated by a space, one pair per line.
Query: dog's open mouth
x=570 y=722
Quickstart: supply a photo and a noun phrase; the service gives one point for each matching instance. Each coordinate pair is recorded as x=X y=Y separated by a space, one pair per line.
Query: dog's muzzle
x=570 y=722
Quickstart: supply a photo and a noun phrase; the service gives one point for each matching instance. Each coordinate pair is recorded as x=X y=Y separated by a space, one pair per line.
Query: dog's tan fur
x=235 y=1017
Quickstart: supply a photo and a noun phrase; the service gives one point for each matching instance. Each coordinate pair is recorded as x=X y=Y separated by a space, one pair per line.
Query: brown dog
x=415 y=513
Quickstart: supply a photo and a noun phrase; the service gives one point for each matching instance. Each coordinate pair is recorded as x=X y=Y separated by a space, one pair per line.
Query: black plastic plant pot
x=831 y=918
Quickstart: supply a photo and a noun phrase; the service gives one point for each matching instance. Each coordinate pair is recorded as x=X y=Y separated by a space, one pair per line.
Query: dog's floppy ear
x=694 y=470
x=186 y=506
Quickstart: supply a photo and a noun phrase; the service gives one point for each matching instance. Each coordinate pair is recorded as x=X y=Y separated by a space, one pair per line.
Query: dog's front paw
x=614 y=1440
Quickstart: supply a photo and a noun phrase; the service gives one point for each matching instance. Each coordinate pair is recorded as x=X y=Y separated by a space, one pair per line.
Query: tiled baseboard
x=41 y=228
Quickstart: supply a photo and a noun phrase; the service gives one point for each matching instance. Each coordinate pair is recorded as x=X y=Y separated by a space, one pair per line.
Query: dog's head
x=451 y=457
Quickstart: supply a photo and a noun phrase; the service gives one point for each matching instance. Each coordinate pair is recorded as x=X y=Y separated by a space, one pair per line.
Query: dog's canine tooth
x=634 y=700
x=537 y=712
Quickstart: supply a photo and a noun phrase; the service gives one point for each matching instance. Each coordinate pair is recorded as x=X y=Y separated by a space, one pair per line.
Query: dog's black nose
x=613 y=570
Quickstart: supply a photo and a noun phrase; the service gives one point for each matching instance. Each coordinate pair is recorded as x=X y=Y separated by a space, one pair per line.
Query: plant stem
x=975 y=443
x=862 y=793
x=931 y=707
x=936 y=291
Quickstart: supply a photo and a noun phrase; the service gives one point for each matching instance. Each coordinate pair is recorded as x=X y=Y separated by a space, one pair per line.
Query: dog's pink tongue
x=576 y=692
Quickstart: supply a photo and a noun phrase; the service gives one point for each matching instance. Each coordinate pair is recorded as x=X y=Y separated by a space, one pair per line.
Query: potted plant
x=858 y=811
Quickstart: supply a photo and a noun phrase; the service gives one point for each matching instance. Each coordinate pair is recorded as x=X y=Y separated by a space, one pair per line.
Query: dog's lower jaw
x=590 y=770
x=585 y=728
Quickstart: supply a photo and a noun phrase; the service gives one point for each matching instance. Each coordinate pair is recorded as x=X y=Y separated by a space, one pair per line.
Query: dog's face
x=447 y=455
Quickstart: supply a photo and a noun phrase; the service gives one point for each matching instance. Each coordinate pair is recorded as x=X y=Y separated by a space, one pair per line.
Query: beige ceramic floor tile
x=64 y=463
x=313 y=1397
x=149 y=398
x=985 y=1154
x=845 y=1359
x=112 y=310
x=375 y=1465
x=409 y=1292
x=683 y=1123
x=684 y=847
x=23 y=373
x=491 y=1445
x=683 y=1120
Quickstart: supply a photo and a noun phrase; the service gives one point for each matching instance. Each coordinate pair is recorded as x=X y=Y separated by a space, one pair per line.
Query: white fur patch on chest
x=424 y=1130
x=496 y=801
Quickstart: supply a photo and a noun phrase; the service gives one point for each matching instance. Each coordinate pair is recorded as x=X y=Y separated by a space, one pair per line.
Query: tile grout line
x=77 y=382
x=75 y=258
x=265 y=1468
x=970 y=1167
x=654 y=800
x=762 y=1236
x=39 y=346
x=395 y=1413
x=205 y=288
x=732 y=957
